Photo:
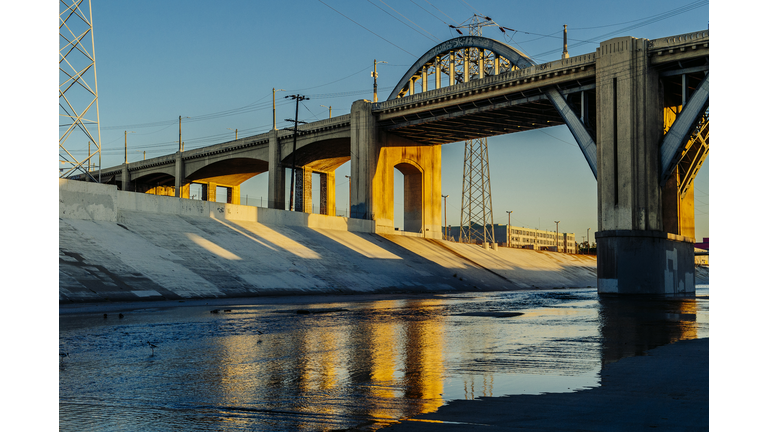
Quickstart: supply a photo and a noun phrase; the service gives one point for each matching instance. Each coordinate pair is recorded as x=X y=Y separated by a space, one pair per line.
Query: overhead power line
x=368 y=30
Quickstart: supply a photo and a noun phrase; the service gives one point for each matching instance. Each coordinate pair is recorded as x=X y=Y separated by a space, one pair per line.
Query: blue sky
x=217 y=65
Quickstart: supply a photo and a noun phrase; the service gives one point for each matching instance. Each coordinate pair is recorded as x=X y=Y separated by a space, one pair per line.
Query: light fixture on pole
x=587 y=240
x=235 y=132
x=509 y=222
x=445 y=206
x=557 y=237
x=329 y=110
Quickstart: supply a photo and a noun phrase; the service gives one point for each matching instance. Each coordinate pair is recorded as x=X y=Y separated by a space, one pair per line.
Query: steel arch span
x=461 y=59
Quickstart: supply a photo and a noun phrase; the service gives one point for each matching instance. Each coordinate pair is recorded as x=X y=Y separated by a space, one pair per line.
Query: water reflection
x=348 y=364
x=632 y=326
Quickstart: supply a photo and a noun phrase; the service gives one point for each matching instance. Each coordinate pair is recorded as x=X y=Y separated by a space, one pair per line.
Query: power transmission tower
x=78 y=92
x=476 y=203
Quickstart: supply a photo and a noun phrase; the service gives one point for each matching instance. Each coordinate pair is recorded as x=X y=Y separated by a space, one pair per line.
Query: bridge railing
x=555 y=66
x=672 y=41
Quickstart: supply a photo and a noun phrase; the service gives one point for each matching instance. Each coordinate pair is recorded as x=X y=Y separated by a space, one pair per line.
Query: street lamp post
x=349 y=205
x=557 y=237
x=587 y=240
x=445 y=210
x=329 y=110
x=235 y=132
x=509 y=223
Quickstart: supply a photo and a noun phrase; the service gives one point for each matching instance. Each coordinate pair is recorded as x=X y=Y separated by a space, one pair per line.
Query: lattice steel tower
x=78 y=93
x=476 y=203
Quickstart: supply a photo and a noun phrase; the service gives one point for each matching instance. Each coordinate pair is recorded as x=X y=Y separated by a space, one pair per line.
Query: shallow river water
x=296 y=364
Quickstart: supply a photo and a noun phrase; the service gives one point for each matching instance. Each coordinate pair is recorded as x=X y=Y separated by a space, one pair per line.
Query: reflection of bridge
x=637 y=108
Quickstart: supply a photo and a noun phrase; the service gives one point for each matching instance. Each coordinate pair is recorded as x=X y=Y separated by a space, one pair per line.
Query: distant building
x=701 y=252
x=525 y=238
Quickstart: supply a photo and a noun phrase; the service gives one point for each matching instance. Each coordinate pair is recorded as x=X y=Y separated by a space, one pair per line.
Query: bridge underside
x=448 y=122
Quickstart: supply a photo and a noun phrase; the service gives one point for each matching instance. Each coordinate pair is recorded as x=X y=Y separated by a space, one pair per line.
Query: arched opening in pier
x=412 y=197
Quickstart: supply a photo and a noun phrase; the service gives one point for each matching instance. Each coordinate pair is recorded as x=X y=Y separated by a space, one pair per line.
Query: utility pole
x=557 y=237
x=126 y=145
x=509 y=223
x=181 y=146
x=375 y=75
x=274 y=118
x=296 y=122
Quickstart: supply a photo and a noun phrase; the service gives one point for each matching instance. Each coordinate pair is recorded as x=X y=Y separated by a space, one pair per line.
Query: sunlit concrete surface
x=122 y=246
x=665 y=390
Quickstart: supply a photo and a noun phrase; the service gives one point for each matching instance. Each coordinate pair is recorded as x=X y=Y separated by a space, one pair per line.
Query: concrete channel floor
x=665 y=390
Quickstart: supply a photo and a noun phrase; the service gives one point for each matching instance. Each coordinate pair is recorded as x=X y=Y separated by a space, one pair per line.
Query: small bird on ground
x=62 y=355
x=120 y=315
x=152 y=346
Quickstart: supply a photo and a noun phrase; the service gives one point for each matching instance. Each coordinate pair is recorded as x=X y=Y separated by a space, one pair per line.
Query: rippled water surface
x=285 y=364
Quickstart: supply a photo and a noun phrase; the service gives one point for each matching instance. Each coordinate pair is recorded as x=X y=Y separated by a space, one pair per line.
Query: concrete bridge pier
x=276 y=187
x=178 y=175
x=303 y=198
x=637 y=253
x=126 y=179
x=374 y=157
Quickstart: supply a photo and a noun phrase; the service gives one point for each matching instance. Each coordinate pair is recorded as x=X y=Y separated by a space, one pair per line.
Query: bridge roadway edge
x=119 y=246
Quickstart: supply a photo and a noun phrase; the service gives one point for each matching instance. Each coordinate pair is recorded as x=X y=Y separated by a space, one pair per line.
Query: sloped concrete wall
x=128 y=246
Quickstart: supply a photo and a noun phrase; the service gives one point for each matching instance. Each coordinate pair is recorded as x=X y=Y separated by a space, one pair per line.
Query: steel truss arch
x=504 y=54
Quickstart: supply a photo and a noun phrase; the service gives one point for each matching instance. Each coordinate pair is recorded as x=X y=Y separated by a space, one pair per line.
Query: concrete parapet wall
x=97 y=202
x=90 y=201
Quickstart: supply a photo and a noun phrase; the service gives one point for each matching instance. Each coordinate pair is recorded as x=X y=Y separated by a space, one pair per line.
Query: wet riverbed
x=290 y=364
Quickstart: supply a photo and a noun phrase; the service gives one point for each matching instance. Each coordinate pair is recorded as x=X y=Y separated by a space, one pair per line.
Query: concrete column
x=303 y=192
x=438 y=72
x=481 y=63
x=635 y=255
x=126 y=178
x=424 y=79
x=452 y=74
x=678 y=211
x=179 y=175
x=328 y=193
x=365 y=155
x=211 y=189
x=466 y=65
x=233 y=194
x=276 y=194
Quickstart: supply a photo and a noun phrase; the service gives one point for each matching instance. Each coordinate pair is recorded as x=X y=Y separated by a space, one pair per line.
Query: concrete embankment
x=124 y=246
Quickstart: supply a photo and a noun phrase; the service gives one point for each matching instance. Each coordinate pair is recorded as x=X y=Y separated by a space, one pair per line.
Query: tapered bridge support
x=636 y=253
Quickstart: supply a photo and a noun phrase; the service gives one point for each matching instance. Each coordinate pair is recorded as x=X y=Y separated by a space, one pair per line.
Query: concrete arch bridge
x=637 y=108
